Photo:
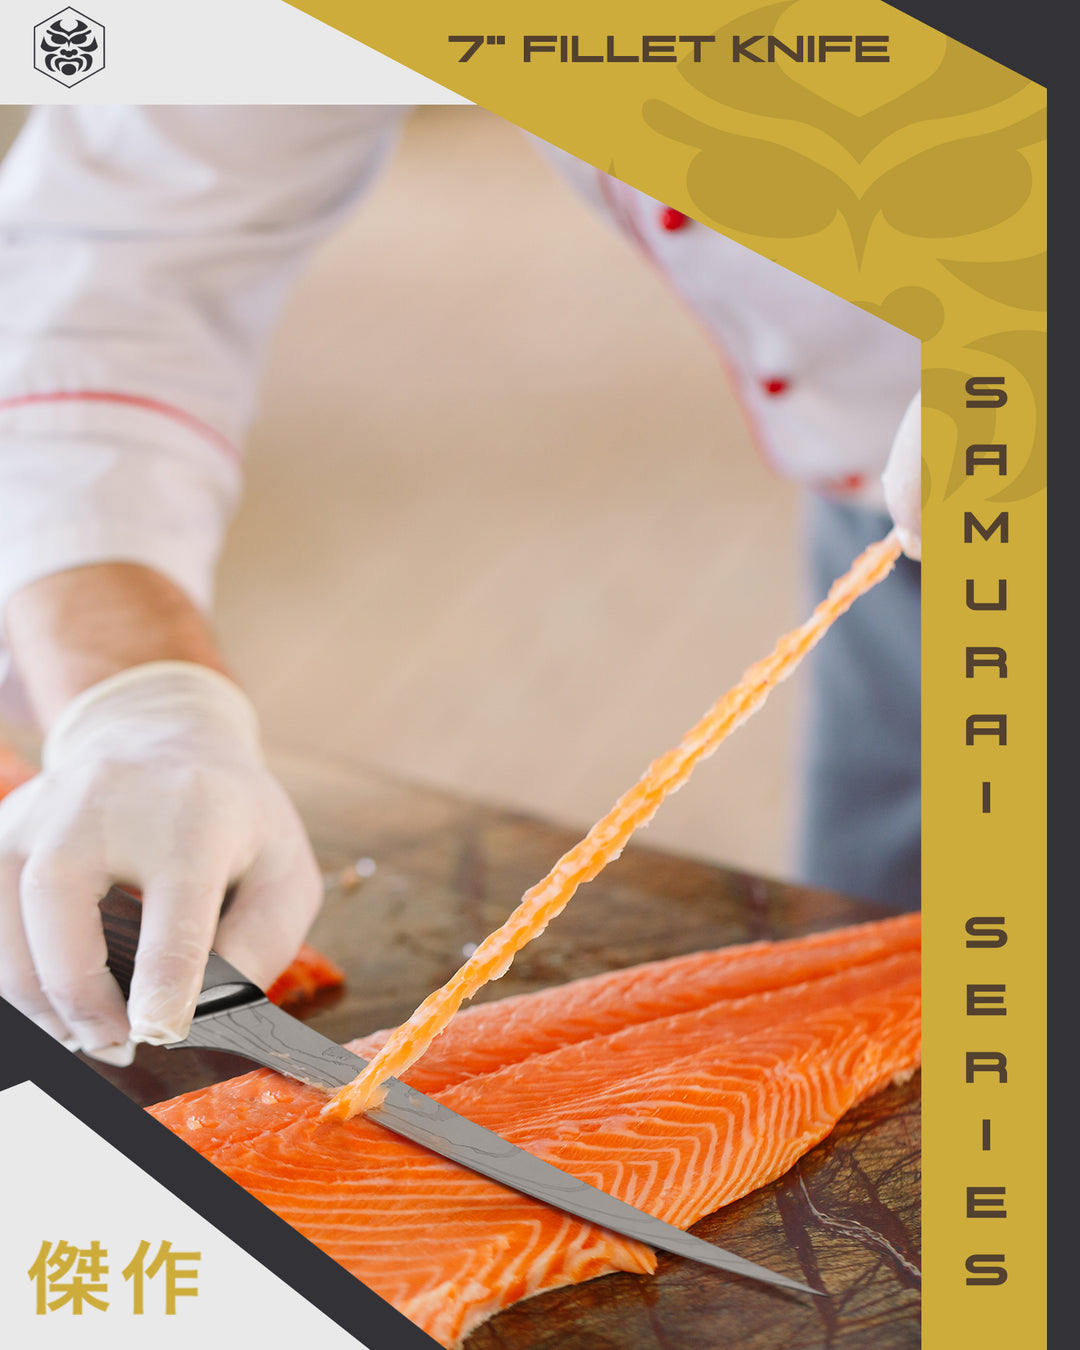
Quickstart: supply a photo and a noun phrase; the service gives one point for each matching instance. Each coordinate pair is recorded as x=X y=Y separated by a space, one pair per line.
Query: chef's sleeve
x=144 y=253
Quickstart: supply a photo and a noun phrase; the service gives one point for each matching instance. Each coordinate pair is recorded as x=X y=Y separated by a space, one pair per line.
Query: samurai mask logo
x=69 y=47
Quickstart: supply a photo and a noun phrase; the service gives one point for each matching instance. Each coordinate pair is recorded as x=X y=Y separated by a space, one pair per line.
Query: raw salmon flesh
x=679 y=1086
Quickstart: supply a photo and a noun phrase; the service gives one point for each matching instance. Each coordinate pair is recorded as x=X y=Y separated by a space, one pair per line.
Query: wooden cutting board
x=845 y=1219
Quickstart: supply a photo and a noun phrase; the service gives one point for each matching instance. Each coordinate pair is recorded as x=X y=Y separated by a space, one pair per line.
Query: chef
x=144 y=254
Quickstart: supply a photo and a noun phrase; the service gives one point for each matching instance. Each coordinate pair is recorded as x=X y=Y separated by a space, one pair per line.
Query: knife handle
x=121 y=917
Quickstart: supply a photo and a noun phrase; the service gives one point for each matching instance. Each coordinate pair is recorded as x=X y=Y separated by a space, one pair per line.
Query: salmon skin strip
x=693 y=1082
x=608 y=837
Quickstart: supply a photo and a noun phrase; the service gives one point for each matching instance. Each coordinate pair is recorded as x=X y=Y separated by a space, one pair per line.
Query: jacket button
x=670 y=219
x=776 y=385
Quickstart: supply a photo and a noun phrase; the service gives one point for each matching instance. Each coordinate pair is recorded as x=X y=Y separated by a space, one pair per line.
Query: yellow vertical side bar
x=984 y=1183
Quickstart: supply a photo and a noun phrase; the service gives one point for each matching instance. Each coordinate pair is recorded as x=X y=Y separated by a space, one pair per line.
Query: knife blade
x=233 y=1015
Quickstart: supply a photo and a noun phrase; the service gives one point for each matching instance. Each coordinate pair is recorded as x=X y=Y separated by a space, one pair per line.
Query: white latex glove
x=902 y=480
x=153 y=777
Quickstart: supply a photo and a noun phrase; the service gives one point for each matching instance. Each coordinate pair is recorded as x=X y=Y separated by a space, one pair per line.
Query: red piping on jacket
x=131 y=401
x=621 y=200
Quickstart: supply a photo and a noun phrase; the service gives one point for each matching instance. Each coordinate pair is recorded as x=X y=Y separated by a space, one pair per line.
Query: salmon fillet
x=309 y=973
x=679 y=1086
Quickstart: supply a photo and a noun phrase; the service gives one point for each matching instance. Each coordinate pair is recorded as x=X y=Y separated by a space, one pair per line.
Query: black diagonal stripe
x=31 y=1054
x=1023 y=37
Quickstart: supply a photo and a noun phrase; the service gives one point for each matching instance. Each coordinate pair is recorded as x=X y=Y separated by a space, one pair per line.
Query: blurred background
x=505 y=531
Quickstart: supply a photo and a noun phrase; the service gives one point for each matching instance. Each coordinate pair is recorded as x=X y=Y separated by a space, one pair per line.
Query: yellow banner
x=904 y=172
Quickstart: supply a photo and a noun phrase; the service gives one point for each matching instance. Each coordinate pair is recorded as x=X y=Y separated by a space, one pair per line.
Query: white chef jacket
x=144 y=253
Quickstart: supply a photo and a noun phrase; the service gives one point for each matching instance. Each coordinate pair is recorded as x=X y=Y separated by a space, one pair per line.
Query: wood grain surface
x=845 y=1219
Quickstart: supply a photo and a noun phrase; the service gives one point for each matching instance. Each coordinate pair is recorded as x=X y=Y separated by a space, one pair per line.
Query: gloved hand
x=153 y=777
x=902 y=480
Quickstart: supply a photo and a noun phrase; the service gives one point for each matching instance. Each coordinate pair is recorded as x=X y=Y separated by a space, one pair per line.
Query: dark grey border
x=31 y=1055
x=1024 y=37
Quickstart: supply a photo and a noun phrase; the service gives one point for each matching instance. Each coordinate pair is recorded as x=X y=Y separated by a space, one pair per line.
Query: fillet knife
x=233 y=1015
